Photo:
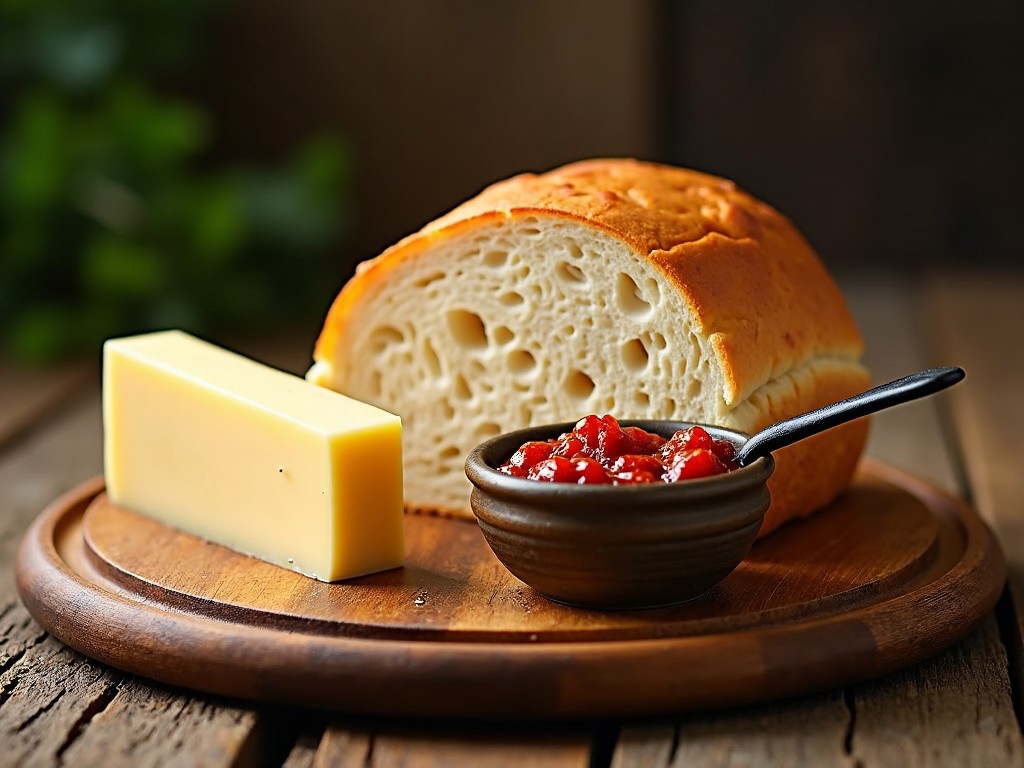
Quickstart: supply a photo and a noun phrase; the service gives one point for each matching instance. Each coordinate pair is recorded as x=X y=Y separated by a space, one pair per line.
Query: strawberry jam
x=598 y=451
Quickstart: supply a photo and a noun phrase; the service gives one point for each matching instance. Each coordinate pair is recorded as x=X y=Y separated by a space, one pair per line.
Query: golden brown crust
x=755 y=287
x=811 y=473
x=695 y=227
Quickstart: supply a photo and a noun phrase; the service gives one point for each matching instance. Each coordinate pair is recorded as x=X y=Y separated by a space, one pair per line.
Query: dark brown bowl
x=624 y=546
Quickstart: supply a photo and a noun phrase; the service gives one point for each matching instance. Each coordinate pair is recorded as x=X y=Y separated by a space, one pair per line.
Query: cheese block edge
x=278 y=471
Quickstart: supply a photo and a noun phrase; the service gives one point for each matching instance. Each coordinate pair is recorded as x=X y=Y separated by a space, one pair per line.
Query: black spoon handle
x=903 y=390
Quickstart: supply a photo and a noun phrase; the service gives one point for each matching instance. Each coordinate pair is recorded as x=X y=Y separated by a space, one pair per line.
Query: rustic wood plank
x=647 y=744
x=977 y=320
x=931 y=702
x=956 y=708
x=1011 y=624
x=952 y=710
x=341 y=747
x=148 y=725
x=911 y=436
x=304 y=750
x=47 y=695
x=806 y=731
x=26 y=395
x=63 y=453
x=450 y=746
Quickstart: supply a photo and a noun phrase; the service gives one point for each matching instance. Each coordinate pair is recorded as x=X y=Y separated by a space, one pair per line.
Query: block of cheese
x=252 y=458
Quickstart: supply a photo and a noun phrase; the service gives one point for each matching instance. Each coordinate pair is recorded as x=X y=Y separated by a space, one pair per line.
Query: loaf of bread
x=606 y=286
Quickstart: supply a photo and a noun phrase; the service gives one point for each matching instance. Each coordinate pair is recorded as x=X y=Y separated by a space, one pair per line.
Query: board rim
x=555 y=679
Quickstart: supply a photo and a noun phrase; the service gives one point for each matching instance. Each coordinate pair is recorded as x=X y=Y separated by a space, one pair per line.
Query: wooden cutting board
x=893 y=572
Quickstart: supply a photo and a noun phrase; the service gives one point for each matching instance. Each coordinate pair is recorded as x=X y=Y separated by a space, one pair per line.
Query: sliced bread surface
x=608 y=286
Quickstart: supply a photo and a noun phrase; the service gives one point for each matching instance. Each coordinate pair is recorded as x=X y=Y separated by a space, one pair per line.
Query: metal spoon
x=883 y=396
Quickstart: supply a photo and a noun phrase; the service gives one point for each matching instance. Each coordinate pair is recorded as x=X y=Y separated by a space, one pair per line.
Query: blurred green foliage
x=109 y=221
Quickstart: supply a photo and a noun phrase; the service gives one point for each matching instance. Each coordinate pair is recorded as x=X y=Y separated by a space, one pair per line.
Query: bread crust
x=754 y=285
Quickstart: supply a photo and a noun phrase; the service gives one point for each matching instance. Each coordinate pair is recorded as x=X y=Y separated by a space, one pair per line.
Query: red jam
x=599 y=451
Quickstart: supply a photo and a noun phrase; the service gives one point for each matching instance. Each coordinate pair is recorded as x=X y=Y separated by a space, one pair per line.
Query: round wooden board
x=893 y=572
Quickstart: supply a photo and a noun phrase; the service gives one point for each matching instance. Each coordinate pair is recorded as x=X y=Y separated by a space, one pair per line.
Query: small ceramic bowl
x=625 y=546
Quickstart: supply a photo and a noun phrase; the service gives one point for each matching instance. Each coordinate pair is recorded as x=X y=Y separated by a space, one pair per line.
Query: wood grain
x=141 y=725
x=452 y=587
x=977 y=321
x=303 y=752
x=807 y=731
x=710 y=661
x=448 y=746
x=952 y=710
x=47 y=696
x=29 y=395
x=911 y=436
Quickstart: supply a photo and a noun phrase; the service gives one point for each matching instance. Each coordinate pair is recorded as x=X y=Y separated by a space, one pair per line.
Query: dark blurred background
x=224 y=165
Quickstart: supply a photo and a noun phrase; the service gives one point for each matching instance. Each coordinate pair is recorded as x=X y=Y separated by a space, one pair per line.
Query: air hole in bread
x=670 y=407
x=376 y=388
x=511 y=299
x=495 y=258
x=531 y=231
x=694 y=389
x=653 y=291
x=629 y=297
x=503 y=335
x=569 y=330
x=447 y=410
x=431 y=359
x=487 y=429
x=571 y=274
x=634 y=355
x=448 y=453
x=578 y=385
x=658 y=339
x=460 y=387
x=467 y=328
x=642 y=399
x=694 y=352
x=575 y=252
x=384 y=337
x=521 y=361
x=426 y=280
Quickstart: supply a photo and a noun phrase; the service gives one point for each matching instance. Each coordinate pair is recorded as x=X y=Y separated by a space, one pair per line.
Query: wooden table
x=965 y=707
